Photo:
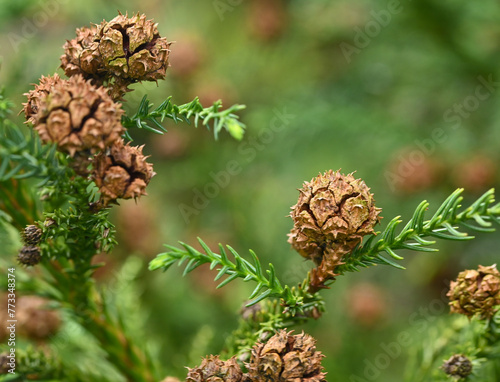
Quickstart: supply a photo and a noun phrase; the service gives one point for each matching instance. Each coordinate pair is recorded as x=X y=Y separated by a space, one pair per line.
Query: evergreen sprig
x=23 y=156
x=152 y=120
x=444 y=224
x=32 y=364
x=268 y=284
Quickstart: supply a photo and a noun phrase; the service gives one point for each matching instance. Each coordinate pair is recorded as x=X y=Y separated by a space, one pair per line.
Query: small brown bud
x=285 y=357
x=123 y=173
x=458 y=366
x=250 y=312
x=29 y=255
x=32 y=235
x=476 y=292
x=213 y=369
x=333 y=213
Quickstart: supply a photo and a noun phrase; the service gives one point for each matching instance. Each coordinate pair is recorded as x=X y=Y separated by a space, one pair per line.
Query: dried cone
x=213 y=369
x=476 y=292
x=333 y=213
x=29 y=255
x=286 y=358
x=458 y=366
x=35 y=96
x=82 y=57
x=132 y=49
x=123 y=173
x=78 y=117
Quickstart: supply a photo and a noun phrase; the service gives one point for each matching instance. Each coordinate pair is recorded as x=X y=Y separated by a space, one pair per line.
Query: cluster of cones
x=82 y=115
x=284 y=357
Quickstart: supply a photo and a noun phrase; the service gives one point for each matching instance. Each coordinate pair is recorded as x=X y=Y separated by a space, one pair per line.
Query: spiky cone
x=213 y=369
x=121 y=173
x=132 y=48
x=333 y=213
x=286 y=358
x=35 y=96
x=77 y=116
x=476 y=292
x=458 y=366
x=81 y=56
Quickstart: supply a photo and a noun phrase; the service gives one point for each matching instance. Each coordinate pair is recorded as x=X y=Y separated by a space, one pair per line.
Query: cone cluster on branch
x=80 y=114
x=476 y=292
x=333 y=213
x=30 y=253
x=283 y=358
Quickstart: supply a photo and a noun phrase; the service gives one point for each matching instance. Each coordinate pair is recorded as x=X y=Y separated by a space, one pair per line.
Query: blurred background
x=405 y=93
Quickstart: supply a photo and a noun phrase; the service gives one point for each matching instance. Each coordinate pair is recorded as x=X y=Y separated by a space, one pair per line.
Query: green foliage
x=33 y=364
x=443 y=225
x=478 y=340
x=241 y=268
x=152 y=120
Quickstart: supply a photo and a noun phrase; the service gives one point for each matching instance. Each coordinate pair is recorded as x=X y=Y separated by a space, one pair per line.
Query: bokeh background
x=405 y=93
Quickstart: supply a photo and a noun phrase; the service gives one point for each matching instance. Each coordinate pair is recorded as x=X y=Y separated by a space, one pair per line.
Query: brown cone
x=78 y=117
x=132 y=49
x=333 y=213
x=286 y=358
x=476 y=292
x=213 y=369
x=123 y=173
x=81 y=56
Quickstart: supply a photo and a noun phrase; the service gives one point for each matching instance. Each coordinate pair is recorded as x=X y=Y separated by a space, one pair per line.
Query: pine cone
x=29 y=255
x=122 y=173
x=476 y=292
x=78 y=117
x=458 y=366
x=285 y=358
x=213 y=369
x=32 y=235
x=35 y=96
x=131 y=48
x=333 y=213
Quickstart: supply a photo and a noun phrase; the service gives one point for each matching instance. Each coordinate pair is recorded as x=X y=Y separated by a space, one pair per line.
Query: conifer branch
x=267 y=286
x=152 y=120
x=444 y=224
